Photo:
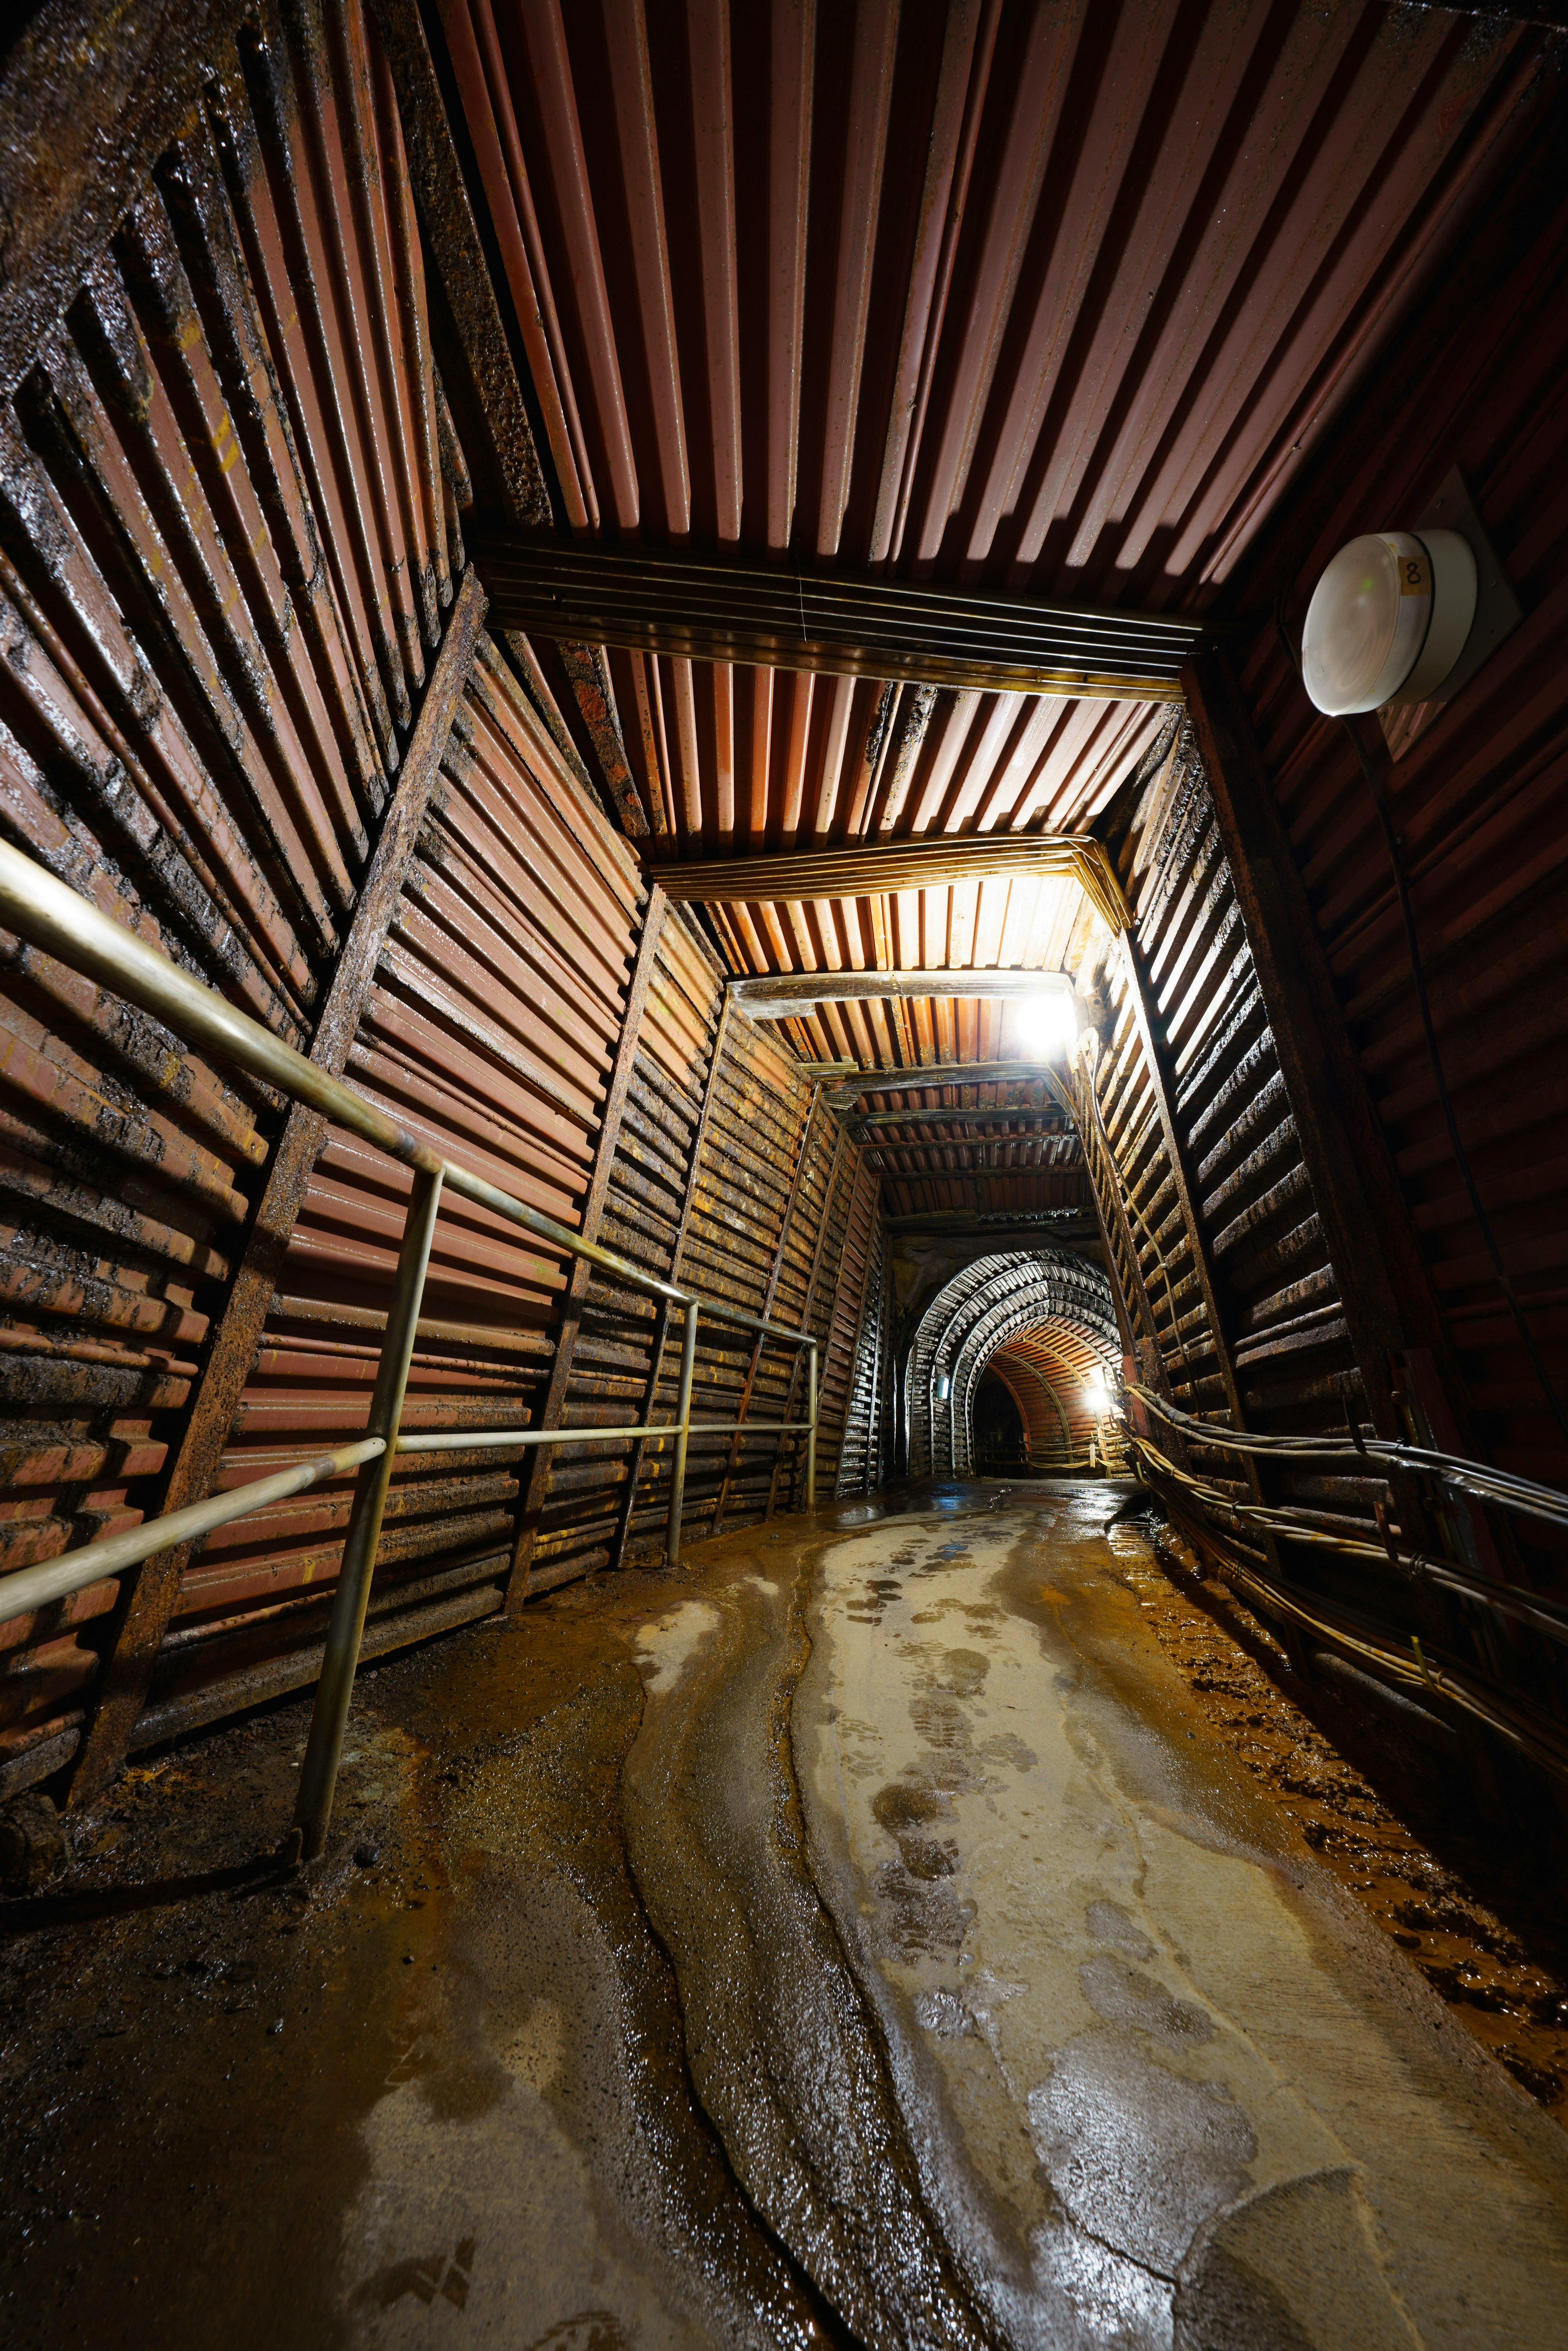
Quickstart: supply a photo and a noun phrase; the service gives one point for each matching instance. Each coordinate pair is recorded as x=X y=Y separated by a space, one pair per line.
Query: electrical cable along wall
x=1477 y=798
x=1222 y=1256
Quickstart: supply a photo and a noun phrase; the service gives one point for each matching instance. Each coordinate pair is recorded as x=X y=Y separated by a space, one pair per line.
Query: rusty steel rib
x=843 y=625
x=733 y=1462
x=329 y=1720
x=128 y=1670
x=661 y=1330
x=592 y=1215
x=929 y=863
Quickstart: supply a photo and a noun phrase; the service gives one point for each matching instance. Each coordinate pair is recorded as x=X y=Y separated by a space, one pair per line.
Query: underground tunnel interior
x=784 y=1354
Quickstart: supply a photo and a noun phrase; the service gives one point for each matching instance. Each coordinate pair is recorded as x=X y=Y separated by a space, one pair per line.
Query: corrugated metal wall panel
x=1045 y=1369
x=649 y=1186
x=1242 y=1307
x=1478 y=801
x=847 y=1436
x=489 y=1032
x=213 y=481
x=1013 y=293
x=763 y=1164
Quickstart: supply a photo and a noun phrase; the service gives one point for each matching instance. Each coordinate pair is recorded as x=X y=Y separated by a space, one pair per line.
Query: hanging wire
x=1434 y=1054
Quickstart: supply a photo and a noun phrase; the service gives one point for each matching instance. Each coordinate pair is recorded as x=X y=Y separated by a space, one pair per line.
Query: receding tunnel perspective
x=783 y=1354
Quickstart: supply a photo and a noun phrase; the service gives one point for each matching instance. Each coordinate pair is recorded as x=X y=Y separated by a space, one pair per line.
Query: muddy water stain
x=843 y=1939
x=1114 y=1960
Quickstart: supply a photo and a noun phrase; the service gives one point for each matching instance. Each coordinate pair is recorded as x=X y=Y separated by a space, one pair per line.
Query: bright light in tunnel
x=1047 y=1024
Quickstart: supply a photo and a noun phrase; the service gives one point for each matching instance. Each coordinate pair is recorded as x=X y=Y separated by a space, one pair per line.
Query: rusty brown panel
x=498 y=418
x=146 y=1614
x=1475 y=800
x=76 y=147
x=1108 y=384
x=706 y=1045
x=589 y=671
x=816 y=1313
x=491 y=1031
x=854 y=1305
x=770 y=1300
x=566 y=1335
x=191 y=181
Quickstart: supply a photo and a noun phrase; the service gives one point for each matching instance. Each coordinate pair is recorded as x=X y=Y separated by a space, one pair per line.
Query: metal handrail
x=49 y=914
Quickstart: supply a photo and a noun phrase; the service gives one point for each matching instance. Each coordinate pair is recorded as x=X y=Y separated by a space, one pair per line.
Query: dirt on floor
x=201 y=2055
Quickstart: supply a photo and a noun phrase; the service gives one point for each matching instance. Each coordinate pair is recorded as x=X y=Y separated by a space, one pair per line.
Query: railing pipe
x=682 y=1433
x=324 y=1748
x=50 y=915
x=460 y=1440
x=56 y=1579
x=812 y=1426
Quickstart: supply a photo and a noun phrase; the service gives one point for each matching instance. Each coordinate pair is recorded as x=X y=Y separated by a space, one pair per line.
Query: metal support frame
x=324 y=1748
x=684 y=1426
x=144 y=1613
x=796 y=1180
x=661 y=1328
x=572 y=1304
x=1146 y=1013
x=51 y=916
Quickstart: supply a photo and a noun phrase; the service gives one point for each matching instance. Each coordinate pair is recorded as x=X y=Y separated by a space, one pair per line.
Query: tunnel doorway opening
x=1041 y=1326
x=1001 y=1441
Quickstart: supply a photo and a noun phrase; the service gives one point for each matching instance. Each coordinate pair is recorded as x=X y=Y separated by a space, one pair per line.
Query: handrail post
x=323 y=1752
x=684 y=1430
x=811 y=1426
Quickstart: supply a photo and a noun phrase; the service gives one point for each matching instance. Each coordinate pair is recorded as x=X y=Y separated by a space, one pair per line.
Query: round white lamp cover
x=1388 y=620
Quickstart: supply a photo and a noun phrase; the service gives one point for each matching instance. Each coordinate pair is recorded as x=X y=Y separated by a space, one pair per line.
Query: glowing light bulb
x=1047 y=1024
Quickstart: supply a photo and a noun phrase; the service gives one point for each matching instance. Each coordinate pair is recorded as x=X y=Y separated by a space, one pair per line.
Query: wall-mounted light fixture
x=1388 y=620
x=1402 y=619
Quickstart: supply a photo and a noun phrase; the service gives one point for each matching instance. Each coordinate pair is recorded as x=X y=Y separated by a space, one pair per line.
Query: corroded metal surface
x=227 y=550
x=998 y=295
x=1476 y=802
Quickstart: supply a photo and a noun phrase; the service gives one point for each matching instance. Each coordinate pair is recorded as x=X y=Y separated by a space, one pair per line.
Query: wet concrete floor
x=902 y=1927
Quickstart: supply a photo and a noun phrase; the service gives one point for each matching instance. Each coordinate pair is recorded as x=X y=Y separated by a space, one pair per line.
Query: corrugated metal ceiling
x=1057 y=295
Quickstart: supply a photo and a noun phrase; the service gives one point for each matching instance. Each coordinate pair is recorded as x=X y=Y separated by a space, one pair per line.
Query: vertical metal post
x=324 y=1751
x=684 y=1418
x=811 y=1426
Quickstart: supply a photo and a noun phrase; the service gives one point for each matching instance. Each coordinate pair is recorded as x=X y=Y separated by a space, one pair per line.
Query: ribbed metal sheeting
x=1234 y=1125
x=1021 y=924
x=841 y=1445
x=489 y=1032
x=1282 y=1324
x=1002 y=292
x=1480 y=801
x=1045 y=1367
x=773 y=1183
x=648 y=1208
x=990 y=1174
x=229 y=533
x=980 y=1310
x=865 y=1459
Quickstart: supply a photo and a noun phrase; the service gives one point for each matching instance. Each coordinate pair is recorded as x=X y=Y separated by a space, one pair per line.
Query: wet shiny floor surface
x=872 y=1935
